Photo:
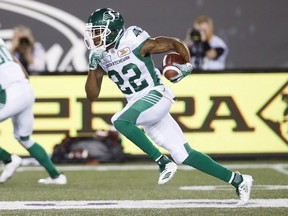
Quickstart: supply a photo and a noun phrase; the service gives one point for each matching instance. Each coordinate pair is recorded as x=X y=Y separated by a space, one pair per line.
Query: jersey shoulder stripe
x=134 y=36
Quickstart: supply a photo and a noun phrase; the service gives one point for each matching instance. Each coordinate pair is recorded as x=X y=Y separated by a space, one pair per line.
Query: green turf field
x=102 y=186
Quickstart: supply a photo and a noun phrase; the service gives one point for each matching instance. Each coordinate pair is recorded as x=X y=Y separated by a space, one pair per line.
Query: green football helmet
x=103 y=28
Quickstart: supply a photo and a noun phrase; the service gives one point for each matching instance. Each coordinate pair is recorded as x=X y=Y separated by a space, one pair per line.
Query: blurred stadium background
x=238 y=113
x=242 y=110
x=256 y=37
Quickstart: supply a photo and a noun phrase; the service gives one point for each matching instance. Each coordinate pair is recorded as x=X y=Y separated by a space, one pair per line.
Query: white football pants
x=19 y=107
x=161 y=127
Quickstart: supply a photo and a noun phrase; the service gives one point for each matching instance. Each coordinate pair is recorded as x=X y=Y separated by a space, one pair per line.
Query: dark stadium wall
x=255 y=31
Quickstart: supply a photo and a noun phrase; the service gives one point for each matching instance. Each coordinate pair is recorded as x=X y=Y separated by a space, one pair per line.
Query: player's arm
x=93 y=83
x=165 y=44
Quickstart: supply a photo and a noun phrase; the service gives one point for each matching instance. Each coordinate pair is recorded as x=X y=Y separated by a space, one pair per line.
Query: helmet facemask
x=96 y=34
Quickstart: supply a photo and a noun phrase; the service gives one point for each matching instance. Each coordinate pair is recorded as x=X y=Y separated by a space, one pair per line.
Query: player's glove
x=185 y=69
x=95 y=57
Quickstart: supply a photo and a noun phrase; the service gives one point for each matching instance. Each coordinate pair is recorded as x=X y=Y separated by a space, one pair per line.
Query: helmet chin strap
x=117 y=37
x=104 y=35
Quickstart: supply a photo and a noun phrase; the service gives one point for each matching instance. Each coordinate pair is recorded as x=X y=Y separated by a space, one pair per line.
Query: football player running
x=16 y=102
x=125 y=55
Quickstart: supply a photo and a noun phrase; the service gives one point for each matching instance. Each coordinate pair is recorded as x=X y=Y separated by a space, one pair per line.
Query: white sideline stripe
x=137 y=204
x=228 y=187
x=282 y=168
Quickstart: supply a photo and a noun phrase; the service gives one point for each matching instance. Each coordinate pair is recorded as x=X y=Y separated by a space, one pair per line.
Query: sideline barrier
x=219 y=113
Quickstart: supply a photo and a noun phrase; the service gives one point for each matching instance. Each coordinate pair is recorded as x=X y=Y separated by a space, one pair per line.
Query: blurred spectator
x=111 y=134
x=208 y=51
x=28 y=51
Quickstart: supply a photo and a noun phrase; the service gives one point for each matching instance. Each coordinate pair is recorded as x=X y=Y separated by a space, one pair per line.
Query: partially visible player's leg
x=12 y=162
x=149 y=119
x=148 y=110
x=126 y=122
x=167 y=133
x=10 y=104
x=135 y=135
x=204 y=163
x=38 y=152
x=5 y=156
x=12 y=101
x=23 y=127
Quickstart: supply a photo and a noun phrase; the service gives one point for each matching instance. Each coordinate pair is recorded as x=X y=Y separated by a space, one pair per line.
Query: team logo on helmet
x=110 y=16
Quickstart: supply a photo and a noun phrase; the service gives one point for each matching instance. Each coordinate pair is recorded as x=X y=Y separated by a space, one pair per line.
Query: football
x=168 y=69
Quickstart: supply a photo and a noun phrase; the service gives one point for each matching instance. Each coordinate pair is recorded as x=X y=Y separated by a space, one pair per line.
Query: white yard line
x=137 y=204
x=282 y=168
x=228 y=187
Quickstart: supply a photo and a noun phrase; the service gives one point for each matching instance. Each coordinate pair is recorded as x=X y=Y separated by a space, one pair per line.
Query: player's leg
x=126 y=123
x=5 y=156
x=149 y=118
x=38 y=152
x=167 y=134
x=7 y=109
x=148 y=110
x=23 y=127
x=12 y=162
x=173 y=140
